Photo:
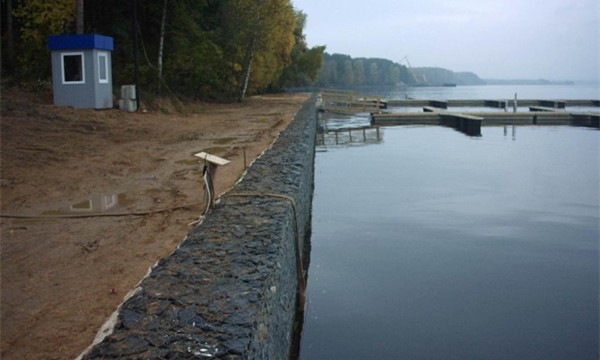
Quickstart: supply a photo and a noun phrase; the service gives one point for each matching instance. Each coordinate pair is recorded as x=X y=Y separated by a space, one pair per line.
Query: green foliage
x=305 y=62
x=38 y=19
x=439 y=76
x=209 y=45
x=193 y=62
x=342 y=70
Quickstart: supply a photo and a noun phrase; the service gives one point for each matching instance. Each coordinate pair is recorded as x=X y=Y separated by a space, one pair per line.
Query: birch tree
x=161 y=44
x=252 y=50
x=261 y=41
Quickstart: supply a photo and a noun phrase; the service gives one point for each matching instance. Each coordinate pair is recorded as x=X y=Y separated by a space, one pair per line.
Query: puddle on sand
x=96 y=205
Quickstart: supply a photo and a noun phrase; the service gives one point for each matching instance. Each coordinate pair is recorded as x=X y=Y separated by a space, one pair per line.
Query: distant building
x=81 y=70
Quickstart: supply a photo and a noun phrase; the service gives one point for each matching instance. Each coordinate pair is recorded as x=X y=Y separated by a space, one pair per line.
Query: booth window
x=103 y=68
x=73 y=71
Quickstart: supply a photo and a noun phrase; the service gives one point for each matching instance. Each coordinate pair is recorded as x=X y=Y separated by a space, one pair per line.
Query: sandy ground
x=62 y=277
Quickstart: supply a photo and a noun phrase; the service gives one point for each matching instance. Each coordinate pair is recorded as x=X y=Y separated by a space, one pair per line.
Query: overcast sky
x=508 y=39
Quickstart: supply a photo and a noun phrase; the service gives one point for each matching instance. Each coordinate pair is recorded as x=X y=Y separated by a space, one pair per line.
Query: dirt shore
x=62 y=277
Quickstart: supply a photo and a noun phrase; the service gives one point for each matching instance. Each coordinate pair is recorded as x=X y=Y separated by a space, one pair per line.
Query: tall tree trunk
x=10 y=45
x=161 y=45
x=250 y=57
x=136 y=59
x=248 y=69
x=79 y=17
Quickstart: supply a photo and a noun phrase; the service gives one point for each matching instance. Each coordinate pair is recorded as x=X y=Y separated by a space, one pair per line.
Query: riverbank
x=61 y=278
x=234 y=288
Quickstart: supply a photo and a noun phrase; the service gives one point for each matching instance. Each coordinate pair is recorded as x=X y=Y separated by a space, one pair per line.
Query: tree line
x=434 y=76
x=345 y=71
x=208 y=49
x=341 y=70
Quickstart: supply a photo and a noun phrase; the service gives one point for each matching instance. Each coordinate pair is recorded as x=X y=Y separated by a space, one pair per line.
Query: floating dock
x=439 y=112
x=559 y=104
x=348 y=102
x=470 y=123
x=533 y=117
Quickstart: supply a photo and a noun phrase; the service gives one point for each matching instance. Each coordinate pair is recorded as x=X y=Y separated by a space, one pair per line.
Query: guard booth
x=81 y=70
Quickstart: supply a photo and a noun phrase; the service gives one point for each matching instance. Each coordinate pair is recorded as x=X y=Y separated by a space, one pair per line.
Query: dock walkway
x=541 y=112
x=349 y=102
x=536 y=116
x=559 y=104
x=439 y=112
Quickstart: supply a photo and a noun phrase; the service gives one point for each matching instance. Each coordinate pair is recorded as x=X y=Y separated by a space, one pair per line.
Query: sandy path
x=61 y=278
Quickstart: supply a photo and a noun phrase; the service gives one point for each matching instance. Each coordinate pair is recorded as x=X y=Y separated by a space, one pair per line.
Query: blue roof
x=85 y=41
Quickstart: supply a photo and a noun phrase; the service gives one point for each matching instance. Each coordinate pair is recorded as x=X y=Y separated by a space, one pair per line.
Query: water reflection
x=442 y=247
x=334 y=120
x=98 y=204
x=514 y=131
x=335 y=129
x=350 y=136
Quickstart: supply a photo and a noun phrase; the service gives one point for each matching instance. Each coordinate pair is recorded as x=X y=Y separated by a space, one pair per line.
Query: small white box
x=128 y=92
x=127 y=105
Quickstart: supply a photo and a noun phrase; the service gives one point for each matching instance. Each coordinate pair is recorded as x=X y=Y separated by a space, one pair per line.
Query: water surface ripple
x=435 y=245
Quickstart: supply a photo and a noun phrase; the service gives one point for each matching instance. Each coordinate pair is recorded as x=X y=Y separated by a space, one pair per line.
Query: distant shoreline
x=527 y=82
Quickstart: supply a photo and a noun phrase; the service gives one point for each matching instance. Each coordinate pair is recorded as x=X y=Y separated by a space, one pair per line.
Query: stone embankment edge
x=230 y=290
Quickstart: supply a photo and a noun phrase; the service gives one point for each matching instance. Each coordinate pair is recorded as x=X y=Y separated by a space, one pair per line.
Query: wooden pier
x=439 y=112
x=468 y=124
x=351 y=135
x=435 y=113
x=586 y=119
x=471 y=123
x=544 y=108
x=559 y=104
x=428 y=117
x=349 y=102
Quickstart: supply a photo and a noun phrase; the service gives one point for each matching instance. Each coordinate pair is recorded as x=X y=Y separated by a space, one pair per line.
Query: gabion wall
x=230 y=290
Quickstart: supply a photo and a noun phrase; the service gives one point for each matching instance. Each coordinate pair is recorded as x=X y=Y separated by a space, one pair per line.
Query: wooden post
x=209 y=171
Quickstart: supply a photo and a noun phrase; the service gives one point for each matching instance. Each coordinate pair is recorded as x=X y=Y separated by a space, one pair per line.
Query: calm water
x=433 y=245
x=497 y=92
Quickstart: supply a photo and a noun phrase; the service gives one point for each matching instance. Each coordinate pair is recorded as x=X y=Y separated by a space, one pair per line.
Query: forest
x=344 y=71
x=340 y=70
x=207 y=49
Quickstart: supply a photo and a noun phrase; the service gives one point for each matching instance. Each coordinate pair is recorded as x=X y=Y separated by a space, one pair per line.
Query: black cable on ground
x=81 y=216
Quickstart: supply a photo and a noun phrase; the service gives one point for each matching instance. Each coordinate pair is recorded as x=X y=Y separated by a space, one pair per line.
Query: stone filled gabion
x=229 y=290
